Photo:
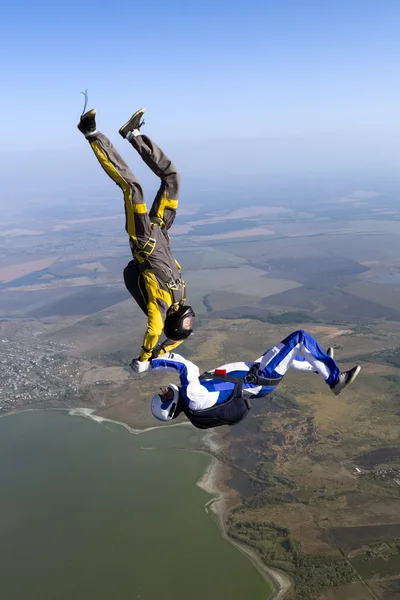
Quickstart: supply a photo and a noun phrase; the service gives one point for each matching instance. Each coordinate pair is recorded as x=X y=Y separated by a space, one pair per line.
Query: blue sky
x=314 y=73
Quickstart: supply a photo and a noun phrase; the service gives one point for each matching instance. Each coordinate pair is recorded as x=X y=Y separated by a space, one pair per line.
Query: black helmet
x=175 y=327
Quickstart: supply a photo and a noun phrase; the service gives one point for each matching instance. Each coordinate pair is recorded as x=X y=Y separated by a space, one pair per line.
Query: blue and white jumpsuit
x=299 y=351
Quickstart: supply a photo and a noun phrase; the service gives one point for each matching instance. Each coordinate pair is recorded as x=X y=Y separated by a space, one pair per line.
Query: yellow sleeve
x=170 y=346
x=155 y=326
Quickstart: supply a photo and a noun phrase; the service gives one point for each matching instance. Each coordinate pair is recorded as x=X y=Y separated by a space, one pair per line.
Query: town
x=37 y=374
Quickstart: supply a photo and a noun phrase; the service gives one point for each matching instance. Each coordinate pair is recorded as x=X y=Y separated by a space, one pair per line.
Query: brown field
x=55 y=284
x=19 y=232
x=94 y=266
x=11 y=272
x=182 y=229
x=114 y=328
x=61 y=227
x=93 y=219
x=241 y=279
x=329 y=332
x=328 y=271
x=82 y=302
x=333 y=228
x=117 y=375
x=245 y=213
x=333 y=304
x=301 y=523
x=351 y=538
x=376 y=226
x=223 y=300
x=244 y=233
x=380 y=456
x=262 y=250
x=17 y=304
x=352 y=591
x=388 y=589
x=194 y=259
x=384 y=247
x=313 y=228
x=248 y=212
x=385 y=295
x=356 y=510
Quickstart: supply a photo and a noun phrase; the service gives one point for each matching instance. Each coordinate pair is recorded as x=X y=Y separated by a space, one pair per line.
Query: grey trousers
x=166 y=201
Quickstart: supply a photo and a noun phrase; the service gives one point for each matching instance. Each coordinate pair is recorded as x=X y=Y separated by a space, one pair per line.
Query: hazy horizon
x=233 y=92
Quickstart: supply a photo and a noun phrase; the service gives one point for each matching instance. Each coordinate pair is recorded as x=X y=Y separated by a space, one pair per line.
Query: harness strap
x=156 y=221
x=251 y=377
x=219 y=376
x=146 y=250
x=176 y=288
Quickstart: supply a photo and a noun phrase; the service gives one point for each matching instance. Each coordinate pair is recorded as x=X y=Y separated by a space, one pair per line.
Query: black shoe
x=345 y=379
x=133 y=123
x=87 y=123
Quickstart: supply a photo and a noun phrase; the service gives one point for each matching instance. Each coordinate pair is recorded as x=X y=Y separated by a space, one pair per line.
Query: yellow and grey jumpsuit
x=153 y=277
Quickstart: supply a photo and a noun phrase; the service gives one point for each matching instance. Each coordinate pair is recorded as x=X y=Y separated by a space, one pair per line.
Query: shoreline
x=210 y=482
x=89 y=413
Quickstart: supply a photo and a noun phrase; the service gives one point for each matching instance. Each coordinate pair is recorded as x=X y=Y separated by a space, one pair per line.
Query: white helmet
x=168 y=410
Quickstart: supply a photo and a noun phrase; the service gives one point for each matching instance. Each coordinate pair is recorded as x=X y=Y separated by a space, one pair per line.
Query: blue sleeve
x=195 y=394
x=172 y=365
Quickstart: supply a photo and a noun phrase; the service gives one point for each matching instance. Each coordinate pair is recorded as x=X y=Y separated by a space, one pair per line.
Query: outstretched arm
x=165 y=347
x=155 y=325
x=197 y=396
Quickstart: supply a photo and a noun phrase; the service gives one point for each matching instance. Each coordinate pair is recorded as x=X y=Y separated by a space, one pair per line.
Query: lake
x=90 y=511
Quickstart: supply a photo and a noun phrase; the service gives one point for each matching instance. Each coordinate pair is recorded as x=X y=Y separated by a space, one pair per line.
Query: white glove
x=139 y=366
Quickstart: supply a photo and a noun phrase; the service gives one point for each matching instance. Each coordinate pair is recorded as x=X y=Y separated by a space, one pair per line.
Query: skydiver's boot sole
x=87 y=123
x=345 y=379
x=133 y=123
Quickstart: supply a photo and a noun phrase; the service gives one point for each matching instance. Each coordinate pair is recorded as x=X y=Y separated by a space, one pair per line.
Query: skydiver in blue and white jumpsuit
x=210 y=402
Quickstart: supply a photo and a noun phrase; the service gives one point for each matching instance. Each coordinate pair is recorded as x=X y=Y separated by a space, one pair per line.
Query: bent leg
x=299 y=363
x=135 y=285
x=166 y=201
x=137 y=222
x=276 y=361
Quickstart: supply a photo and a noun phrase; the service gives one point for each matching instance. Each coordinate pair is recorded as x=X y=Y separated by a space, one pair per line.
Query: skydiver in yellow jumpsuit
x=153 y=277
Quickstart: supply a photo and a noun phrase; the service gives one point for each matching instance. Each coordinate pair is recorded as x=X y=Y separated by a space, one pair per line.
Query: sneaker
x=345 y=379
x=87 y=123
x=133 y=123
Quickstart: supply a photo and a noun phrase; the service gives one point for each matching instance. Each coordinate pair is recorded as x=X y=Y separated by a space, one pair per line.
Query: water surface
x=90 y=511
